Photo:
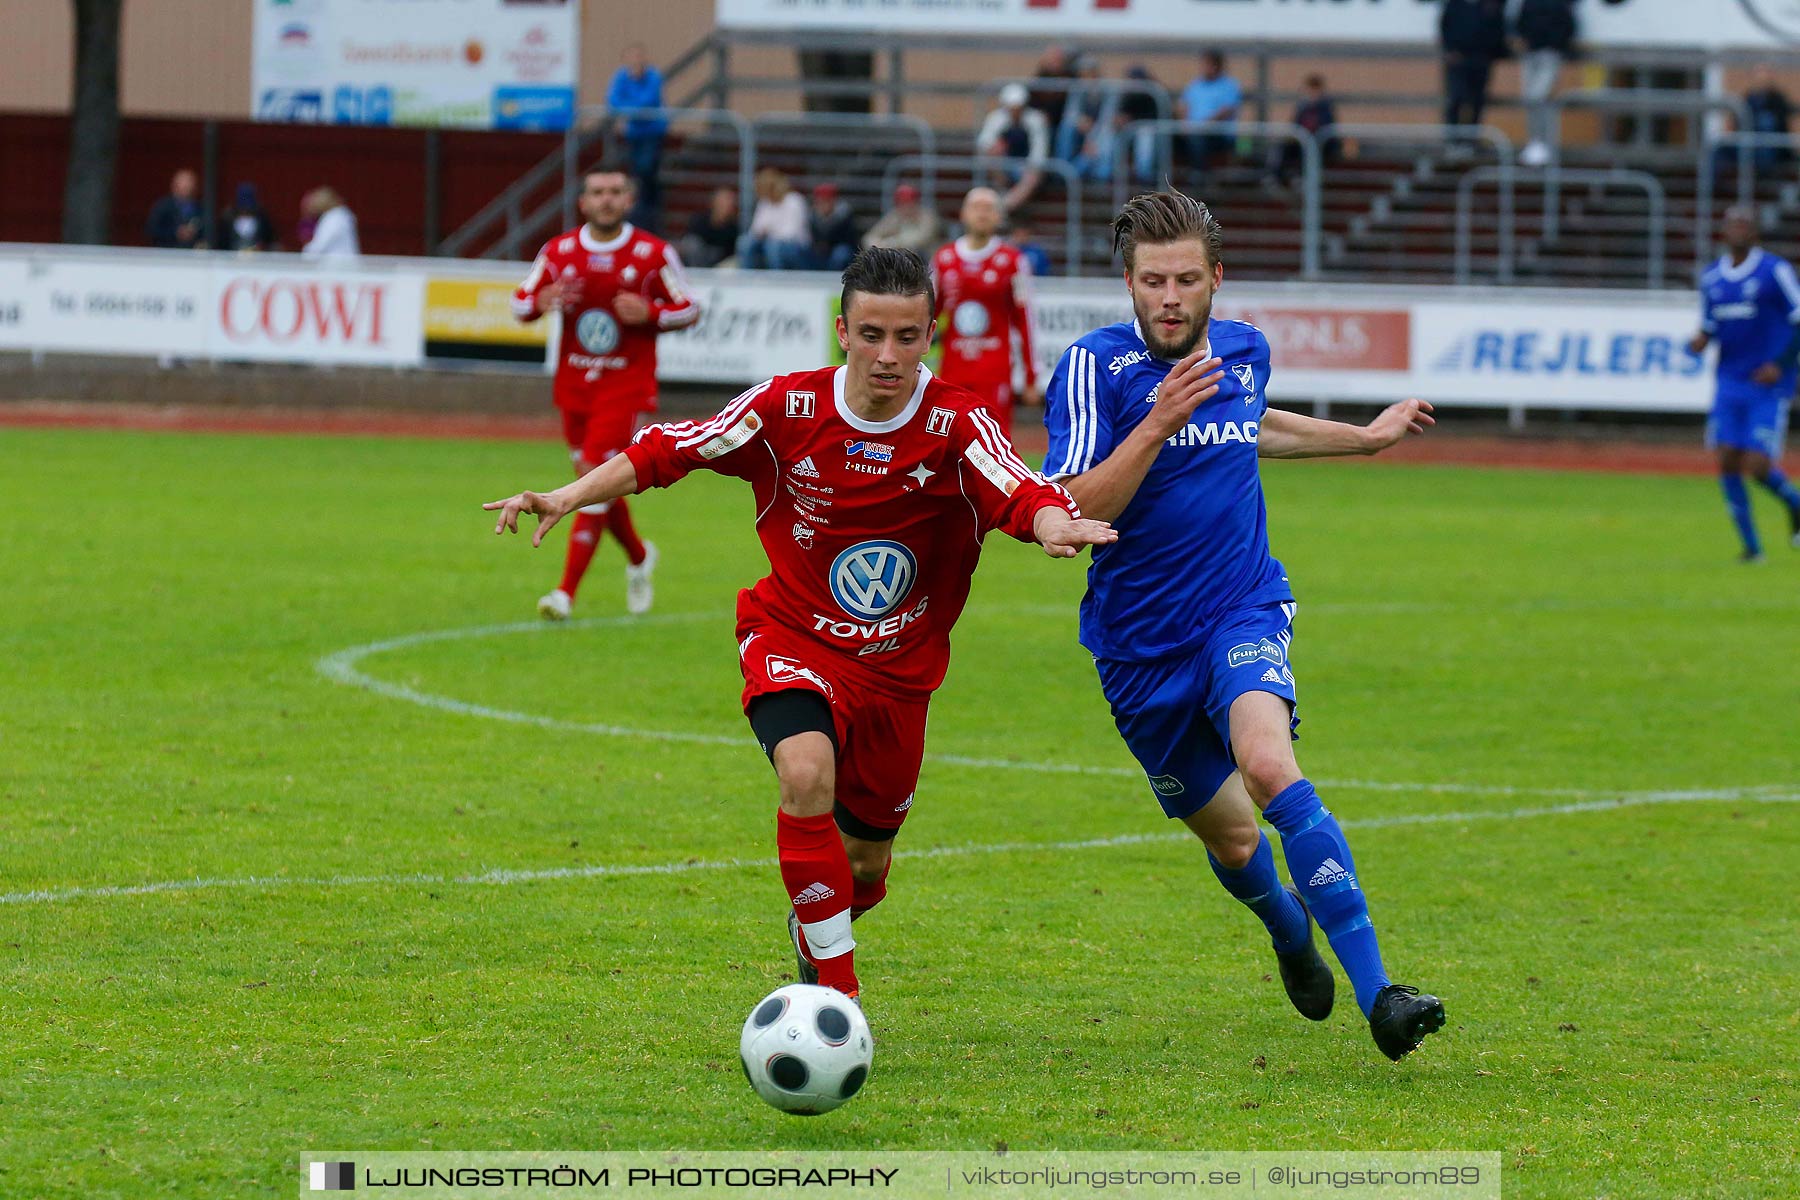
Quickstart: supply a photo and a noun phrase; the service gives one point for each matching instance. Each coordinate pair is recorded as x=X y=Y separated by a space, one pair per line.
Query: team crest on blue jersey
x=872 y=579
x=1249 y=652
x=1246 y=375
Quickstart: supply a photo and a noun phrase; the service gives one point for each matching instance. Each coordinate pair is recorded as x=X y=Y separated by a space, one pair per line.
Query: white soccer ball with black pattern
x=806 y=1049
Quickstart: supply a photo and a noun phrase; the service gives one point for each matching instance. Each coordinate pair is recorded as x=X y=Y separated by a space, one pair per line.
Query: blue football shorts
x=1749 y=417
x=1175 y=713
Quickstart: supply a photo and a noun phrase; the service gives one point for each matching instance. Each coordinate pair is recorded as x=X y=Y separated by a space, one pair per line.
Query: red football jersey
x=986 y=295
x=873 y=530
x=602 y=360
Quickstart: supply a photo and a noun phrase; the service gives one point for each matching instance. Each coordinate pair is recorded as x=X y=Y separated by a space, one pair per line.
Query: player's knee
x=869 y=862
x=1267 y=770
x=807 y=775
x=1236 y=846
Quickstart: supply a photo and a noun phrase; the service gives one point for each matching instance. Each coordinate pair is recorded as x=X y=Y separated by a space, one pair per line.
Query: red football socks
x=817 y=873
x=618 y=523
x=864 y=896
x=584 y=536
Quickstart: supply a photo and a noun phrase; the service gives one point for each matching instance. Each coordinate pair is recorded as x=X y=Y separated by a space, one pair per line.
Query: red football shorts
x=881 y=736
x=594 y=437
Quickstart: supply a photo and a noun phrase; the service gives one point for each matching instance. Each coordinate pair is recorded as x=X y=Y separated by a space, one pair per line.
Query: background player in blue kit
x=1156 y=425
x=1750 y=305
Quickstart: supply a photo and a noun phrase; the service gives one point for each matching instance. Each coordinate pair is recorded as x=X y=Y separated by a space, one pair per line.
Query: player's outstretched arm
x=1290 y=435
x=611 y=479
x=1063 y=536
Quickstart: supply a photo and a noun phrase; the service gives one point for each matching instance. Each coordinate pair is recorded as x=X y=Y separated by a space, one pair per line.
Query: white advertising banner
x=751 y=327
x=272 y=315
x=105 y=308
x=268 y=309
x=475 y=64
x=1535 y=348
x=1702 y=23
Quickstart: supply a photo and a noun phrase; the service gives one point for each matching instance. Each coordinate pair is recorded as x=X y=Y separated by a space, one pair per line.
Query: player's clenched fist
x=542 y=505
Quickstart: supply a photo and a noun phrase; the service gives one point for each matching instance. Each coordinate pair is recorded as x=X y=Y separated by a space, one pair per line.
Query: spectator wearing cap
x=1212 y=98
x=834 y=234
x=908 y=225
x=246 y=224
x=1016 y=131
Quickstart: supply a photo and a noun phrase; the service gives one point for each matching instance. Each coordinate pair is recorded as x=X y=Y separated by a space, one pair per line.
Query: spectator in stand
x=1770 y=112
x=780 y=233
x=1473 y=36
x=1545 y=30
x=909 y=225
x=246 y=224
x=1016 y=131
x=1211 y=97
x=835 y=239
x=1139 y=104
x=637 y=84
x=176 y=222
x=1315 y=114
x=334 y=230
x=1055 y=66
x=1089 y=122
x=712 y=236
x=1023 y=238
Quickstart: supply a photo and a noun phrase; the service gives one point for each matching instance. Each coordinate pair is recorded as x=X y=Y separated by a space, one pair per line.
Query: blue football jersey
x=1750 y=310
x=1194 y=541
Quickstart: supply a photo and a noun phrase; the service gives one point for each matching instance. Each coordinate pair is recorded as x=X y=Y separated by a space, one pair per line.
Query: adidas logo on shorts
x=814 y=893
x=1330 y=871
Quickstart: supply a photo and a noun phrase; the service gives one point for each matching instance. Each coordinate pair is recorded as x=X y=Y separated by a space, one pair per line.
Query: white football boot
x=640 y=593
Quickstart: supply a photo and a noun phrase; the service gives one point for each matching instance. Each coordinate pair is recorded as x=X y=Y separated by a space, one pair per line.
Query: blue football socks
x=1783 y=488
x=1259 y=887
x=1319 y=859
x=1737 y=503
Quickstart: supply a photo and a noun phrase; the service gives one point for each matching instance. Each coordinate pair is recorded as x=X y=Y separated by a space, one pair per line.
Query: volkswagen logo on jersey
x=971 y=318
x=872 y=579
x=597 y=332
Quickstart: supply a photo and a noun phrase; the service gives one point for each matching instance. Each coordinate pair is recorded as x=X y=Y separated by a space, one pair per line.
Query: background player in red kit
x=984 y=286
x=874 y=483
x=617 y=287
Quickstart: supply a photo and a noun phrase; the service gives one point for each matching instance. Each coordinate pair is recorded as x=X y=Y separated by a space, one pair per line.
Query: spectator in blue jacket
x=635 y=85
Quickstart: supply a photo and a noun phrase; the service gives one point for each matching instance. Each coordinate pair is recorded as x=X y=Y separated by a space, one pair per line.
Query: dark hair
x=1157 y=217
x=611 y=167
x=1213 y=55
x=887 y=271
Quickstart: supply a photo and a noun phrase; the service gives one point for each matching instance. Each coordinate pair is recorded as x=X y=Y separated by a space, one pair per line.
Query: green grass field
x=1478 y=653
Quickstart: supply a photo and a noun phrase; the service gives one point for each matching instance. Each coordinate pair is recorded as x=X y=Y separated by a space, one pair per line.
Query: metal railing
x=1312 y=168
x=1656 y=260
x=981 y=166
x=590 y=123
x=1105 y=88
x=1744 y=147
x=918 y=126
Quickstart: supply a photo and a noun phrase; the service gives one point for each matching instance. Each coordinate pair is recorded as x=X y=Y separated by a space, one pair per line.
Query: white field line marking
x=501 y=877
x=342 y=667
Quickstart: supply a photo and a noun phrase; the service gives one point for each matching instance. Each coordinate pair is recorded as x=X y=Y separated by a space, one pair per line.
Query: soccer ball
x=806 y=1049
